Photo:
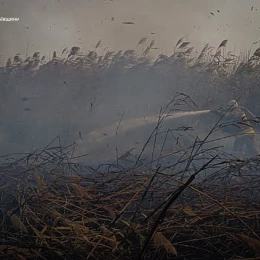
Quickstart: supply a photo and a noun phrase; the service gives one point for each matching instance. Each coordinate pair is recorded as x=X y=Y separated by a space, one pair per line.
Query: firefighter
x=237 y=123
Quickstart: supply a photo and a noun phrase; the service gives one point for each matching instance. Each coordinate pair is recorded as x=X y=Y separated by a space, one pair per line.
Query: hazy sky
x=49 y=25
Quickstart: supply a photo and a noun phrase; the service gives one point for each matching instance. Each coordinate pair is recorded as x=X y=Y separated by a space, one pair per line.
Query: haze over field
x=115 y=133
x=45 y=97
x=47 y=25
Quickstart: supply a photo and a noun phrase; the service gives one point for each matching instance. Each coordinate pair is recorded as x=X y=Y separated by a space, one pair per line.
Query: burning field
x=138 y=167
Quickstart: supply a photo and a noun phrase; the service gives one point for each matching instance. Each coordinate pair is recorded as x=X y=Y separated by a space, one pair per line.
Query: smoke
x=52 y=25
x=47 y=25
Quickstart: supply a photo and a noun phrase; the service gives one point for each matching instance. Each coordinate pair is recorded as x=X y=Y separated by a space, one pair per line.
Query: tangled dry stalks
x=52 y=208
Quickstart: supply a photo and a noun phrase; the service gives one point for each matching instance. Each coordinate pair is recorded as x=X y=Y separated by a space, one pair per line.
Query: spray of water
x=104 y=133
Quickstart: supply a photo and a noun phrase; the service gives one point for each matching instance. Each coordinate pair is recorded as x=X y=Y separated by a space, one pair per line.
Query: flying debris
x=98 y=44
x=91 y=106
x=128 y=23
x=80 y=135
x=212 y=13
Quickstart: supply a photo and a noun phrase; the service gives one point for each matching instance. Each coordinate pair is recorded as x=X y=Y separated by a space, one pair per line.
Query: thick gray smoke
x=48 y=25
x=45 y=107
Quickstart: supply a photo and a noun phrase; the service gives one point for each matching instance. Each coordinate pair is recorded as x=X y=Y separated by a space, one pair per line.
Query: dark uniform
x=236 y=123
